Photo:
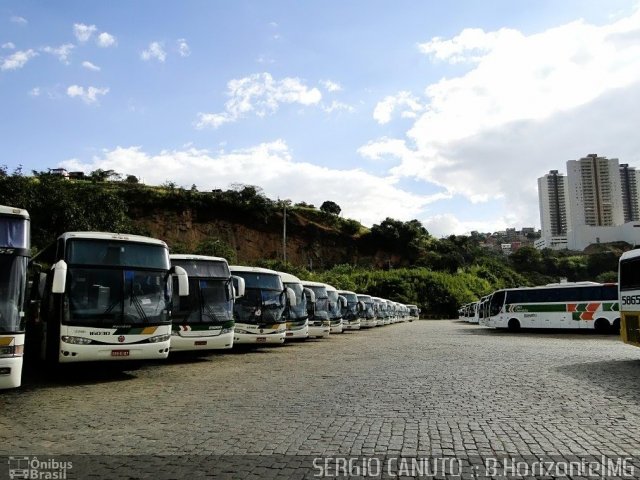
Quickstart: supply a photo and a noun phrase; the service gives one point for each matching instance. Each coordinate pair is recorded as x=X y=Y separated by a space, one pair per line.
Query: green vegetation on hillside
x=436 y=274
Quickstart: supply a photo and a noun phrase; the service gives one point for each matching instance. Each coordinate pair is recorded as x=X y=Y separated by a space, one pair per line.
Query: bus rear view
x=14 y=257
x=629 y=284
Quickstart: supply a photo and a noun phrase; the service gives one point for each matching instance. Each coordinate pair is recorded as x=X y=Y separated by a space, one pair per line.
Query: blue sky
x=442 y=111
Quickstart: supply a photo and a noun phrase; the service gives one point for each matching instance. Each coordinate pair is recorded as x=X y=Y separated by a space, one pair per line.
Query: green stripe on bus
x=544 y=307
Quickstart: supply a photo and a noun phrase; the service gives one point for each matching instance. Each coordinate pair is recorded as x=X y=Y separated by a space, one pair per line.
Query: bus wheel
x=615 y=328
x=601 y=325
x=514 y=325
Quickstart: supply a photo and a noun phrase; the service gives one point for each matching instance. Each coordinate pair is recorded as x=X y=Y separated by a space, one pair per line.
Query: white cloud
x=523 y=104
x=183 y=48
x=155 y=51
x=9 y=46
x=17 y=60
x=106 y=40
x=88 y=95
x=19 y=20
x=405 y=101
x=90 y=66
x=369 y=199
x=83 y=32
x=470 y=46
x=63 y=52
x=35 y=92
x=446 y=224
x=261 y=95
x=336 y=106
x=331 y=86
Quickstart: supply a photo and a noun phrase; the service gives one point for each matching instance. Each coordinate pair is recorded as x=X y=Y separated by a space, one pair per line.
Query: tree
x=330 y=207
x=131 y=179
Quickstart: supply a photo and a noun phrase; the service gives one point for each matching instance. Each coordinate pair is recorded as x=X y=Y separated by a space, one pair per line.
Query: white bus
x=380 y=307
x=107 y=297
x=336 y=303
x=629 y=282
x=319 y=321
x=351 y=310
x=368 y=318
x=15 y=248
x=259 y=313
x=297 y=316
x=203 y=320
x=414 y=312
x=566 y=305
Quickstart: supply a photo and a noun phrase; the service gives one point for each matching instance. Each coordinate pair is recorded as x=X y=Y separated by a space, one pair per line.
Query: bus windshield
x=298 y=311
x=351 y=309
x=333 y=304
x=13 y=271
x=117 y=254
x=209 y=301
x=107 y=297
x=263 y=301
x=322 y=302
x=203 y=268
x=14 y=232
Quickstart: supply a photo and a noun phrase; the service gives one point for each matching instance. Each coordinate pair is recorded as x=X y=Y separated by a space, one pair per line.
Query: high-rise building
x=629 y=185
x=552 y=196
x=595 y=192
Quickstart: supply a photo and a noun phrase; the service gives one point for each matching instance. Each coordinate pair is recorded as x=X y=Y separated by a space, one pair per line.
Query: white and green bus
x=336 y=302
x=368 y=317
x=585 y=305
x=351 y=310
x=414 y=312
x=203 y=320
x=15 y=248
x=629 y=284
x=259 y=313
x=319 y=321
x=107 y=296
x=297 y=316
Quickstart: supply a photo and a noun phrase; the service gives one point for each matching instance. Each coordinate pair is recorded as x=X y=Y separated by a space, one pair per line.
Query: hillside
x=394 y=259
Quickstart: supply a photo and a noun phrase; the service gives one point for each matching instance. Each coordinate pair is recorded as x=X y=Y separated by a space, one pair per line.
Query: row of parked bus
x=573 y=305
x=110 y=296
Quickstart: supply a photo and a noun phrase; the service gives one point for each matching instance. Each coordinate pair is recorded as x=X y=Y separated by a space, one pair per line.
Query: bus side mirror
x=310 y=294
x=291 y=297
x=59 y=284
x=183 y=280
x=238 y=286
x=343 y=302
x=361 y=306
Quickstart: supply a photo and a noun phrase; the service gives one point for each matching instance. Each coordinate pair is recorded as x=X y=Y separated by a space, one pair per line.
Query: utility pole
x=284 y=234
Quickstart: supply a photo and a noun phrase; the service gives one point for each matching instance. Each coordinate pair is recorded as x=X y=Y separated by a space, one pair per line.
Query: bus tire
x=514 y=325
x=615 y=328
x=602 y=325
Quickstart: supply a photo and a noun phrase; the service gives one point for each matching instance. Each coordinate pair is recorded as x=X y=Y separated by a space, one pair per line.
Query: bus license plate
x=200 y=342
x=119 y=353
x=261 y=339
x=289 y=334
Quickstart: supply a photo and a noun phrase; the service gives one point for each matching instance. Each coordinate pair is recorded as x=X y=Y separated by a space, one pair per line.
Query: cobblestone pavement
x=428 y=388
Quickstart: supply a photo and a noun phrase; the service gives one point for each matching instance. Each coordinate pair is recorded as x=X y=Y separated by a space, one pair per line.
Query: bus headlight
x=159 y=338
x=76 y=340
x=226 y=330
x=12 y=351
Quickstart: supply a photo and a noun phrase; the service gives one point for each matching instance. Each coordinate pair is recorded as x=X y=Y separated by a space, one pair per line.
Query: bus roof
x=630 y=254
x=188 y=256
x=14 y=212
x=330 y=288
x=118 y=237
x=242 y=268
x=288 y=278
x=313 y=284
x=348 y=292
x=558 y=285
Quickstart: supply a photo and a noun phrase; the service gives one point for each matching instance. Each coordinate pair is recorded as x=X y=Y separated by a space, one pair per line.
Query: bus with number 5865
x=629 y=285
